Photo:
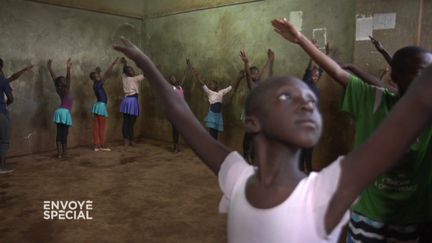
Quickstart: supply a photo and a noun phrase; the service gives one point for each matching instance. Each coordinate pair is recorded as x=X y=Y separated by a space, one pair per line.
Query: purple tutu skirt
x=130 y=106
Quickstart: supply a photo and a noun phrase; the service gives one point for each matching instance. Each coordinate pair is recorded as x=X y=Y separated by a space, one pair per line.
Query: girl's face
x=291 y=114
x=173 y=80
x=130 y=72
x=213 y=85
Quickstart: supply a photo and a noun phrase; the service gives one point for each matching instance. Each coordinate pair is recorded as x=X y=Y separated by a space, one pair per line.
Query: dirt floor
x=140 y=194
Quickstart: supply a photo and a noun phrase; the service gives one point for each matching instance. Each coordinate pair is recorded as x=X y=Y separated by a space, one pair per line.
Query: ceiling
x=143 y=8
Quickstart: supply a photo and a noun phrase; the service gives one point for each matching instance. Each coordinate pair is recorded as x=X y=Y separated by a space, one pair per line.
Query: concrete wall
x=212 y=40
x=405 y=32
x=32 y=33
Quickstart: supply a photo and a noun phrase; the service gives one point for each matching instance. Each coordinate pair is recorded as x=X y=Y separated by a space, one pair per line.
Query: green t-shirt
x=404 y=194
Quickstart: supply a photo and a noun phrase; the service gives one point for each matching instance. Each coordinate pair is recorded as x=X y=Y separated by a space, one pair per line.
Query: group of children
x=62 y=117
x=386 y=182
x=274 y=201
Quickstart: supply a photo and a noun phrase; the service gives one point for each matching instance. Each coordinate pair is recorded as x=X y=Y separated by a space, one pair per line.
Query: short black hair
x=1 y=63
x=125 y=68
x=402 y=57
x=253 y=68
x=92 y=75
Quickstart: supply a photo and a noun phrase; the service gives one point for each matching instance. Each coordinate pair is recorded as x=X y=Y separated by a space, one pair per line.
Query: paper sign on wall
x=383 y=21
x=320 y=35
x=364 y=28
x=296 y=18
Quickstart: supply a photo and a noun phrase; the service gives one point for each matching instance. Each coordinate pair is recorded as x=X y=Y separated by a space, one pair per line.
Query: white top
x=300 y=218
x=131 y=84
x=215 y=97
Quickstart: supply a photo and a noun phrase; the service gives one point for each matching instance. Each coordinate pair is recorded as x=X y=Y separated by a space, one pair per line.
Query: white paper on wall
x=296 y=18
x=383 y=21
x=364 y=28
x=320 y=35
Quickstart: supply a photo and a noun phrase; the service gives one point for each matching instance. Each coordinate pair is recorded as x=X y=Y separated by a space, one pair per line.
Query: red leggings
x=99 y=130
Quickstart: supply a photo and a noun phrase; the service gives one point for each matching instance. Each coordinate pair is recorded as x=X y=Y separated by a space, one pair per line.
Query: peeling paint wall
x=30 y=34
x=213 y=38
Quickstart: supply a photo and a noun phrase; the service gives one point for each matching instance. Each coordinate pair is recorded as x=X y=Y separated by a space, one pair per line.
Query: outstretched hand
x=286 y=30
x=128 y=49
x=188 y=63
x=244 y=57
x=270 y=54
x=376 y=43
x=69 y=63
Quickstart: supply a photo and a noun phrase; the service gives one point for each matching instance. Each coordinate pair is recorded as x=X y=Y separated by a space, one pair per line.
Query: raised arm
x=267 y=70
x=245 y=60
x=289 y=32
x=49 y=64
x=109 y=69
x=364 y=164
x=68 y=75
x=236 y=83
x=380 y=48
x=234 y=88
x=16 y=75
x=363 y=75
x=211 y=151
x=187 y=69
x=197 y=75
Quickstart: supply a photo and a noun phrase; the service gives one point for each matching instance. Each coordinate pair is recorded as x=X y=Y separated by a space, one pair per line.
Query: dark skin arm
x=251 y=84
x=368 y=78
x=188 y=69
x=267 y=70
x=109 y=69
x=197 y=76
x=9 y=98
x=211 y=151
x=364 y=164
x=49 y=64
x=16 y=75
x=289 y=32
x=380 y=48
x=68 y=75
x=235 y=86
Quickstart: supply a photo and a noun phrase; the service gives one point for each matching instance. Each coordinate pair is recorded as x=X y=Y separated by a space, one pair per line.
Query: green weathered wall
x=30 y=34
x=213 y=38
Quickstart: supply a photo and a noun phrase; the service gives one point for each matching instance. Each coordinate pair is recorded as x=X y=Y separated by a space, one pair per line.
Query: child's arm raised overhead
x=109 y=69
x=16 y=75
x=208 y=149
x=380 y=48
x=234 y=86
x=363 y=165
x=363 y=75
x=245 y=60
x=49 y=64
x=197 y=75
x=267 y=70
x=240 y=76
x=68 y=75
x=187 y=69
x=289 y=32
